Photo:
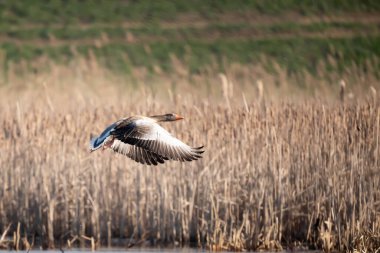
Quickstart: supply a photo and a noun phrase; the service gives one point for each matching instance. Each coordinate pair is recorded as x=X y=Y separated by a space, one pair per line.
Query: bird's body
x=143 y=140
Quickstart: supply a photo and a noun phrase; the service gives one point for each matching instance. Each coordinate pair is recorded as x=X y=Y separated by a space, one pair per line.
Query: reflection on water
x=142 y=250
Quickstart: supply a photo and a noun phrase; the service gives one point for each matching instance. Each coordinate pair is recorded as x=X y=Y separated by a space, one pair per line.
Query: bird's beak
x=177 y=117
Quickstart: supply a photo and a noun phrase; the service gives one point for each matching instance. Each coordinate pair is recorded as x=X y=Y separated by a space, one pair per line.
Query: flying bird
x=145 y=141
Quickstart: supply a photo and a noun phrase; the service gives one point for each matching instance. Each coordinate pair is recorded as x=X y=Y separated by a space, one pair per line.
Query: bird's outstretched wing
x=136 y=153
x=146 y=134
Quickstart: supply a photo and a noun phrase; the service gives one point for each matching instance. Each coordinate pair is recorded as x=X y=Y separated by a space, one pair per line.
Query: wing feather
x=137 y=153
x=146 y=134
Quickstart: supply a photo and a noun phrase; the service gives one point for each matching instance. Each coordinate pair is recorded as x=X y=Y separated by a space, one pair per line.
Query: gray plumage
x=143 y=140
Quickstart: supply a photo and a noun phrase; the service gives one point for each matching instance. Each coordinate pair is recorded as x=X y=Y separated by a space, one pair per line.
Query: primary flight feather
x=145 y=141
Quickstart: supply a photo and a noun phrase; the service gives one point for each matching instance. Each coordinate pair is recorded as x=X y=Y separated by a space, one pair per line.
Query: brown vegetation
x=275 y=174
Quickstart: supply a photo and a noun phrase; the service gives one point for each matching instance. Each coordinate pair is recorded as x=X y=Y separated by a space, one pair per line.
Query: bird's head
x=166 y=117
x=172 y=117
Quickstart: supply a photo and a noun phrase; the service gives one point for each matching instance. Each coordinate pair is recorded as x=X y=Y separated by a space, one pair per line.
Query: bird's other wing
x=96 y=142
x=136 y=153
x=147 y=134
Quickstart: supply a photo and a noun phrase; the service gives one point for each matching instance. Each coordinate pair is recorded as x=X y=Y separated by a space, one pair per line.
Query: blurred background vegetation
x=301 y=174
x=300 y=36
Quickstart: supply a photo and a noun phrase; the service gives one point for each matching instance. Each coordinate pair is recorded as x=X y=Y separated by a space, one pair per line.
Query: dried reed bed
x=302 y=174
x=89 y=72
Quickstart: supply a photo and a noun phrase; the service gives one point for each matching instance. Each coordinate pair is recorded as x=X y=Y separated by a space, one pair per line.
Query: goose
x=143 y=140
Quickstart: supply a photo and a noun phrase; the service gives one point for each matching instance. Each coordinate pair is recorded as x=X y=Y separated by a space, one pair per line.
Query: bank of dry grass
x=274 y=174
